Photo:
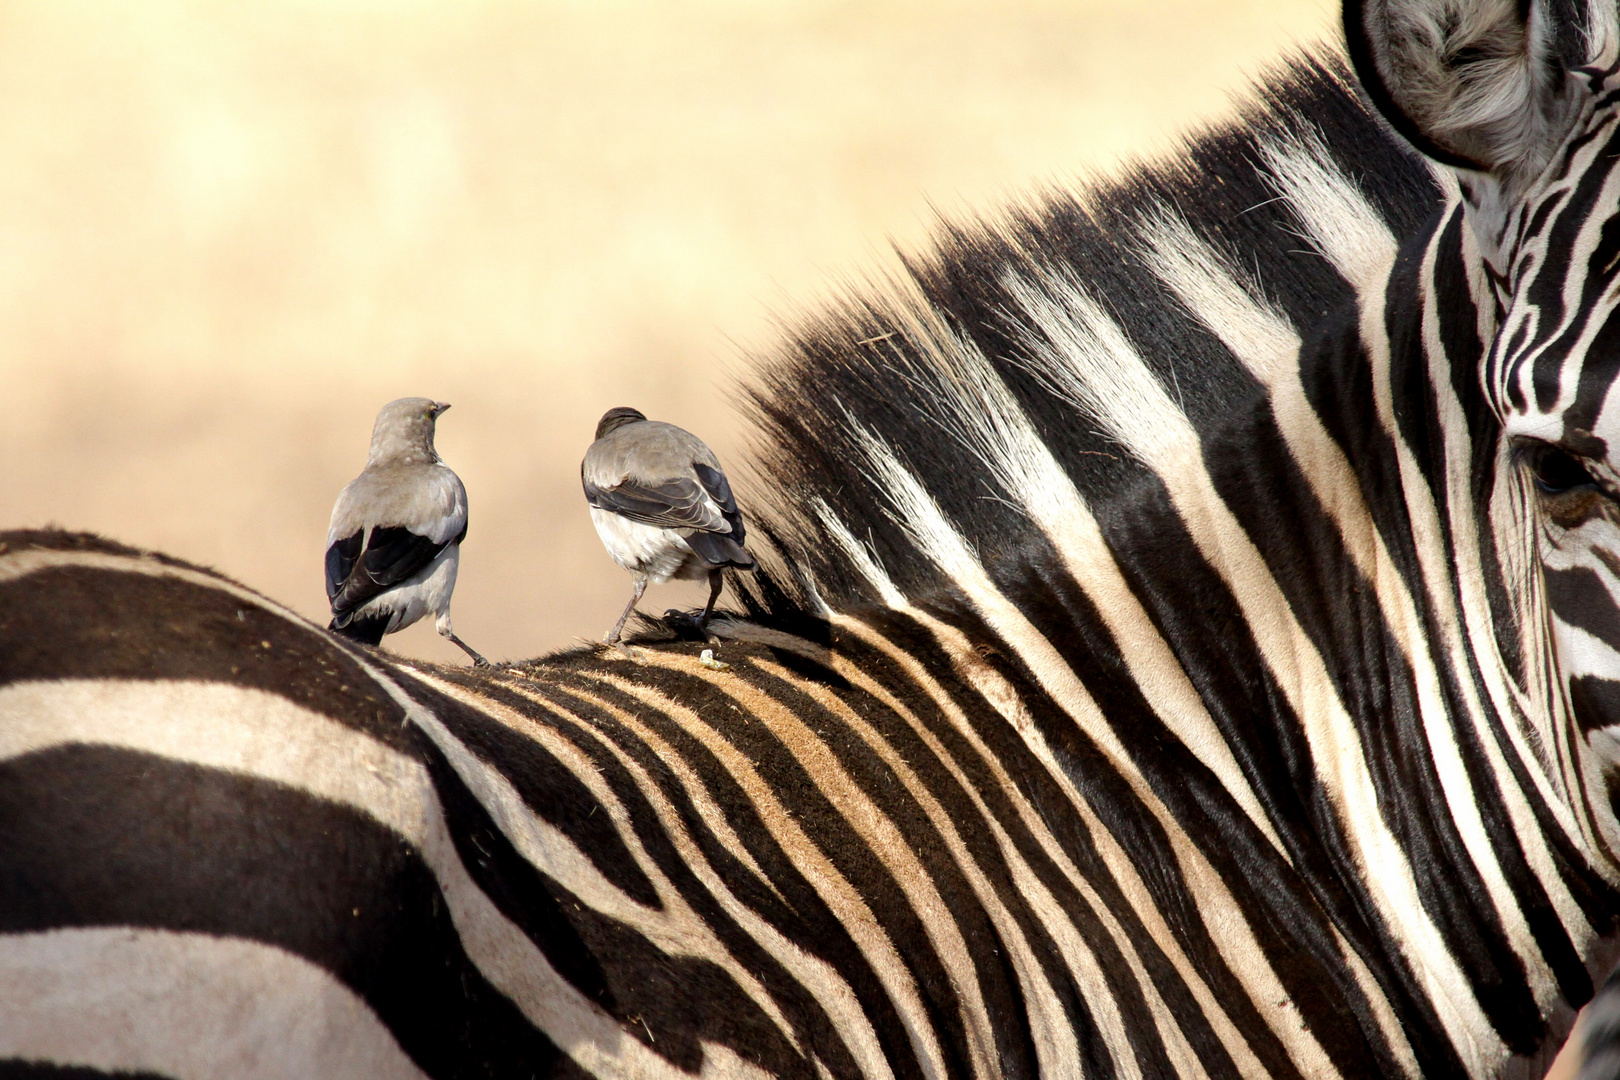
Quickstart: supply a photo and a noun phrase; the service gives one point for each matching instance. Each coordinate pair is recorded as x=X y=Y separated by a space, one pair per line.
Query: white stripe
x=1583 y=653
x=881 y=834
x=1527 y=710
x=672 y=925
x=1346 y=228
x=591 y=1037
x=218 y=726
x=813 y=973
x=1261 y=337
x=824 y=982
x=1001 y=435
x=259 y=734
x=1436 y=566
x=1529 y=715
x=1085 y=356
x=1226 y=922
x=861 y=557
x=974 y=672
x=1056 y=1050
x=190 y=1006
x=1572 y=281
x=831 y=886
x=1466 y=631
x=1125 y=872
x=1267 y=345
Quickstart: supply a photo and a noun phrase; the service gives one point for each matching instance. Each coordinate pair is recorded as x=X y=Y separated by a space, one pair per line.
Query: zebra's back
x=834 y=855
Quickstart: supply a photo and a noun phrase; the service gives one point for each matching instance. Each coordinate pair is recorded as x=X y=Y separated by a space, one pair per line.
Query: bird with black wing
x=394 y=544
x=662 y=506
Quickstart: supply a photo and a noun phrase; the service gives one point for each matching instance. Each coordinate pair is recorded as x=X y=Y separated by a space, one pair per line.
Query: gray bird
x=662 y=506
x=395 y=541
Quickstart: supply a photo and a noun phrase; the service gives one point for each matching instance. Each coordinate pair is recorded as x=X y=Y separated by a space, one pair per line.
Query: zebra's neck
x=1312 y=619
x=1390 y=627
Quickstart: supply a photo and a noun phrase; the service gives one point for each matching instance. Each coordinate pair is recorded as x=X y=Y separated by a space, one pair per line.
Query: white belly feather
x=659 y=553
x=426 y=591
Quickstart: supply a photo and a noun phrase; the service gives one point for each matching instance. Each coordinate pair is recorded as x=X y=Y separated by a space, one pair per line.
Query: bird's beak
x=439 y=408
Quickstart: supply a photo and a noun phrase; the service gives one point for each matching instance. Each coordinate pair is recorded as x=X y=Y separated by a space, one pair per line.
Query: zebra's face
x=1550 y=250
x=1570 y=506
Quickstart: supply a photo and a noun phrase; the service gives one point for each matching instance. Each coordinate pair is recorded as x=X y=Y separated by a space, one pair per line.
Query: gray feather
x=646 y=471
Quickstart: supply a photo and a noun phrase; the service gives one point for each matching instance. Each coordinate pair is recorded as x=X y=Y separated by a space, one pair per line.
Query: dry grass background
x=229 y=232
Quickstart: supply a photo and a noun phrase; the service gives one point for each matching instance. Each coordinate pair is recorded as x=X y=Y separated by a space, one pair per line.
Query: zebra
x=1185 y=643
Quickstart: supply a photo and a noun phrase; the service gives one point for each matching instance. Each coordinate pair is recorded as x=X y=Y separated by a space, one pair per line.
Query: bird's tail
x=367 y=631
x=717 y=550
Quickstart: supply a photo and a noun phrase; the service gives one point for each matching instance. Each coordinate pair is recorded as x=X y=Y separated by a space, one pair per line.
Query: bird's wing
x=391 y=554
x=719 y=489
x=341 y=555
x=386 y=528
x=677 y=503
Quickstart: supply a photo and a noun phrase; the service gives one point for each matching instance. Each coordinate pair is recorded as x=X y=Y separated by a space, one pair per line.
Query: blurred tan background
x=230 y=232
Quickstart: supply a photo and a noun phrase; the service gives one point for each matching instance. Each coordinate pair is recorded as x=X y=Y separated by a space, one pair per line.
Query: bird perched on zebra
x=1193 y=651
x=662 y=506
x=394 y=544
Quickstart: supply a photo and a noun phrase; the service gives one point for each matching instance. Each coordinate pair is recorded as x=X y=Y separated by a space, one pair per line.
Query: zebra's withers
x=1188 y=649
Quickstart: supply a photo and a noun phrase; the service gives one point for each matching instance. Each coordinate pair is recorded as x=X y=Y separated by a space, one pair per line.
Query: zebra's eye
x=1557 y=472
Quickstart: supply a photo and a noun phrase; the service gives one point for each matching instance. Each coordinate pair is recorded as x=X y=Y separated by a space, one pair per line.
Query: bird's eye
x=1556 y=472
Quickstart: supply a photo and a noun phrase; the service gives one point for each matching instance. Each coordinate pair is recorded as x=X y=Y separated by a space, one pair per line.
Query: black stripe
x=1299 y=940
x=1594 y=700
x=1580 y=598
x=78 y=622
x=1132 y=825
x=1202 y=623
x=1126 y=994
x=784 y=899
x=96 y=836
x=1545 y=289
x=547 y=786
x=999 y=985
x=668 y=1002
x=1463 y=353
x=807 y=921
x=1060 y=819
x=1345 y=620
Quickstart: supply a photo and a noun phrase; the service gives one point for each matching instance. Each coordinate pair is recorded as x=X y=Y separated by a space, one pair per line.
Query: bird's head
x=403 y=434
x=614 y=419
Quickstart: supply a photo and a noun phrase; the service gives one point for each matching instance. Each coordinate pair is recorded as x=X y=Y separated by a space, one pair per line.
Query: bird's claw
x=687 y=625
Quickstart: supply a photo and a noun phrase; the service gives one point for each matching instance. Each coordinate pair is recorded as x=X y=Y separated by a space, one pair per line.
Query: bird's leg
x=717 y=582
x=687 y=624
x=442 y=625
x=613 y=634
x=478 y=661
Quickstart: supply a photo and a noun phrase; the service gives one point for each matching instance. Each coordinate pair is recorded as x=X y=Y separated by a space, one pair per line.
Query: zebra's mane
x=903 y=363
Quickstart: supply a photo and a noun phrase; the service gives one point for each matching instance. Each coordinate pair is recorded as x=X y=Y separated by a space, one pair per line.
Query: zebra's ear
x=1476 y=84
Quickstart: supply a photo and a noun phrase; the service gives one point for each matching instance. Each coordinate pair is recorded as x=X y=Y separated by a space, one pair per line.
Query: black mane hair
x=872 y=360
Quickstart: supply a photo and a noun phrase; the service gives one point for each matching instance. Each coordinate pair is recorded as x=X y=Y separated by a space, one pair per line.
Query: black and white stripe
x=1185 y=644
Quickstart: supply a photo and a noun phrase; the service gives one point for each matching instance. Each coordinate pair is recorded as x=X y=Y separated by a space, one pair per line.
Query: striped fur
x=1162 y=666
